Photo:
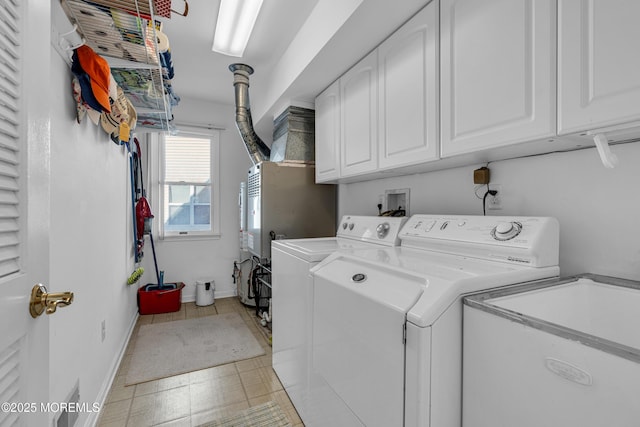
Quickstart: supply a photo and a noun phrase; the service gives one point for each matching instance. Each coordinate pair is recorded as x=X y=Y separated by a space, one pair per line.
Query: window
x=188 y=189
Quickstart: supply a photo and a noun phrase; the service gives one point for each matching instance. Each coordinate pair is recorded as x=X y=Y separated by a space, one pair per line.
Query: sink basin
x=598 y=311
x=603 y=310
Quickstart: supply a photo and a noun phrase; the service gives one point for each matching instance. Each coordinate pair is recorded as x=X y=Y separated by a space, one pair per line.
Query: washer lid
x=443 y=277
x=396 y=290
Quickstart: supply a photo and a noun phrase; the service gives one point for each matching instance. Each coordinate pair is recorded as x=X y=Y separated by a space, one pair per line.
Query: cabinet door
x=328 y=134
x=358 y=105
x=498 y=73
x=408 y=92
x=598 y=68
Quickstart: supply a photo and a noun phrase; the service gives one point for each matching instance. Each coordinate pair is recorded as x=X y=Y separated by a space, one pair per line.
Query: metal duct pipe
x=257 y=149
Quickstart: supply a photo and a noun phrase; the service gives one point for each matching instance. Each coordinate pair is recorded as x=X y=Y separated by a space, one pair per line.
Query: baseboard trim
x=92 y=421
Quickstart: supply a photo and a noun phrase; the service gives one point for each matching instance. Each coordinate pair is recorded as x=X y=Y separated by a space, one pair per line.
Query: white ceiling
x=204 y=74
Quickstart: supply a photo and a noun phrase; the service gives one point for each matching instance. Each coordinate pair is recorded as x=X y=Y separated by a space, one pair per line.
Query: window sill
x=187 y=237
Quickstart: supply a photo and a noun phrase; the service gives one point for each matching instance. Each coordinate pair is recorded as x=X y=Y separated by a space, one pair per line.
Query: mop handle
x=155 y=261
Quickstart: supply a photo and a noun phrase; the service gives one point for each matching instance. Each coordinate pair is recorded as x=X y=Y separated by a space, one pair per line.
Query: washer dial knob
x=382 y=230
x=506 y=230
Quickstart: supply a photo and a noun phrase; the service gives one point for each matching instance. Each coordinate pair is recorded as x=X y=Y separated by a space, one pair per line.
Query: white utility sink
x=563 y=352
x=599 y=309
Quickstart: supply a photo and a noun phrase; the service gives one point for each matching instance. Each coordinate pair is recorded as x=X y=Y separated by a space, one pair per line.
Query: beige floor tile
x=170 y=317
x=182 y=422
x=114 y=414
x=142 y=411
x=132 y=343
x=231 y=389
x=119 y=391
x=199 y=396
x=172 y=404
x=282 y=399
x=204 y=397
x=124 y=365
x=149 y=387
x=175 y=381
x=226 y=309
x=213 y=414
x=209 y=374
x=216 y=394
x=194 y=311
x=144 y=319
x=253 y=363
x=259 y=382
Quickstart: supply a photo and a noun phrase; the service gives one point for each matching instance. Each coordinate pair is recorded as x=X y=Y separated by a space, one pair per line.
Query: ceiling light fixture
x=236 y=19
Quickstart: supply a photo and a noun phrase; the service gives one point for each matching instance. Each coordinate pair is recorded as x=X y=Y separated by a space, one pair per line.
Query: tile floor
x=197 y=397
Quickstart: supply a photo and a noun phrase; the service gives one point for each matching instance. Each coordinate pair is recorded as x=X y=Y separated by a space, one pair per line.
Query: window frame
x=214 y=137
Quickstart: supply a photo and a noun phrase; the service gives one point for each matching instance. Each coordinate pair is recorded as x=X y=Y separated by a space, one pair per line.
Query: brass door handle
x=42 y=300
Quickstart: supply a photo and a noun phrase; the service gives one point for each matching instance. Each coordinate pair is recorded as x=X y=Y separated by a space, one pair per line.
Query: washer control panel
x=382 y=230
x=520 y=240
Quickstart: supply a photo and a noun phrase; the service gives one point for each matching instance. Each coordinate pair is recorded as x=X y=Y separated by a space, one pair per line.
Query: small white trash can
x=205 y=292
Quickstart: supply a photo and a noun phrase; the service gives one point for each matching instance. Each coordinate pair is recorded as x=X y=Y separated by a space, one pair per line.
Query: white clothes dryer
x=387 y=322
x=291 y=294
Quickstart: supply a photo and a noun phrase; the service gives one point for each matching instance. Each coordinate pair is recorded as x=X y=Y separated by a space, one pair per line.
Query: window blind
x=187 y=159
x=10 y=132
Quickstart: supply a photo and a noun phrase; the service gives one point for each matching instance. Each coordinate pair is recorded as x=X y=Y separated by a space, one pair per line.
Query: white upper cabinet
x=359 y=118
x=408 y=92
x=599 y=64
x=497 y=73
x=328 y=134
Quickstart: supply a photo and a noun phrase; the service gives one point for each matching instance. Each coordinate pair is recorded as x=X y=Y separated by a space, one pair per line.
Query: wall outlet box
x=494 y=203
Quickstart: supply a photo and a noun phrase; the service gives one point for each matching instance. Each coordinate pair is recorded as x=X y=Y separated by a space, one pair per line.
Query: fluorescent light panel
x=236 y=19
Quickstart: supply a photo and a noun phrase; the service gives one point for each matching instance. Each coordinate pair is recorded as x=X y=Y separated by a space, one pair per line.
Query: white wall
x=91 y=249
x=189 y=260
x=598 y=208
x=91 y=240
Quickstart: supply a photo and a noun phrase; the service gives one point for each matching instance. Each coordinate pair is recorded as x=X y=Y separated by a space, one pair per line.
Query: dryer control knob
x=383 y=230
x=344 y=225
x=351 y=226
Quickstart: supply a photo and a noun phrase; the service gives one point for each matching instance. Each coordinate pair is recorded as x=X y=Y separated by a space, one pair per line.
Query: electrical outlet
x=104 y=330
x=494 y=203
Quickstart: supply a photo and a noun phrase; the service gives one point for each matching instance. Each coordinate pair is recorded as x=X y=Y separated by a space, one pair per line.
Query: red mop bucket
x=155 y=300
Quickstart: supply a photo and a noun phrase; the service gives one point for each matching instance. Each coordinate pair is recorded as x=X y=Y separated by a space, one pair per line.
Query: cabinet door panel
x=407 y=77
x=497 y=71
x=599 y=82
x=328 y=134
x=358 y=102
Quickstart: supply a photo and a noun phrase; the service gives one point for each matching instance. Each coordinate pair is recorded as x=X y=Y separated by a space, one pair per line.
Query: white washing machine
x=387 y=322
x=291 y=297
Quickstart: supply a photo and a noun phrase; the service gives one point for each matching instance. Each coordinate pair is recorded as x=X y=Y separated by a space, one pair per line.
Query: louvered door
x=24 y=209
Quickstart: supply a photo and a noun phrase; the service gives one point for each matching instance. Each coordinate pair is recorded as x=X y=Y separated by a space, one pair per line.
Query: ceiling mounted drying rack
x=124 y=32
